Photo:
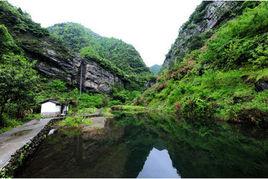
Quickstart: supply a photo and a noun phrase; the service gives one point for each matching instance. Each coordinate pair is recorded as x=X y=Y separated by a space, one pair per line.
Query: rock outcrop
x=96 y=78
x=62 y=64
x=208 y=16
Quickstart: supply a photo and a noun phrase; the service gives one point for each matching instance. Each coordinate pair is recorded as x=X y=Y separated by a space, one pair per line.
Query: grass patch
x=75 y=121
x=85 y=111
x=130 y=108
x=107 y=112
x=10 y=124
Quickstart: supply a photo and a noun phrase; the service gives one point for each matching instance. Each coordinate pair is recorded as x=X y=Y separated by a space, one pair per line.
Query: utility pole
x=81 y=76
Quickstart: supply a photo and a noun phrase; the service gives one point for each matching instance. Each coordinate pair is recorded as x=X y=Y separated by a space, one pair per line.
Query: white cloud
x=150 y=25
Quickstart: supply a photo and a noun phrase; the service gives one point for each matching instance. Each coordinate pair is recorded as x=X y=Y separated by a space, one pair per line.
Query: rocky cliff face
x=53 y=59
x=96 y=78
x=208 y=16
x=61 y=64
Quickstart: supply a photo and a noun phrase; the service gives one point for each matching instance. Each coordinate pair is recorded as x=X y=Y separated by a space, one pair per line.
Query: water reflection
x=136 y=146
x=158 y=164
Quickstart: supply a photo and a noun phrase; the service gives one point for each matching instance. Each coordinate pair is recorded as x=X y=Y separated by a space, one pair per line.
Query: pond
x=151 y=145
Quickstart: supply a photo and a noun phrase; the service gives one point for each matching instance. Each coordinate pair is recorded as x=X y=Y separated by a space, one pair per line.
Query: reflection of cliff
x=139 y=142
x=158 y=164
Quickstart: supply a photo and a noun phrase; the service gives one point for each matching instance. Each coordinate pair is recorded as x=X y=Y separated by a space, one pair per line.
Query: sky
x=151 y=26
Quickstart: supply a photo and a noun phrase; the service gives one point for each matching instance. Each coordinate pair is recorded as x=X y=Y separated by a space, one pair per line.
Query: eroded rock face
x=53 y=60
x=56 y=61
x=96 y=78
x=261 y=85
x=207 y=16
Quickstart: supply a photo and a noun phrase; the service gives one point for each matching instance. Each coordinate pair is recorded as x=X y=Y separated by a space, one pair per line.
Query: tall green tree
x=7 y=43
x=18 y=80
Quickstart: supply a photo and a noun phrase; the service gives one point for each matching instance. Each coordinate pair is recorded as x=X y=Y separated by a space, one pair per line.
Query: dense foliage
x=18 y=81
x=227 y=72
x=7 y=42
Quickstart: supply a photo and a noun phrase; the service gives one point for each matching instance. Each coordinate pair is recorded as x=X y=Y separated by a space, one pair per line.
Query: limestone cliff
x=208 y=16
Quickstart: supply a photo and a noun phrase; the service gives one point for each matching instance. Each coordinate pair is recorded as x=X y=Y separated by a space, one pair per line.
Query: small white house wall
x=50 y=108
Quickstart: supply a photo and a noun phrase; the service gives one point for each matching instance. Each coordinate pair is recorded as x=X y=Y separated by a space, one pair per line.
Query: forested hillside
x=81 y=39
x=225 y=74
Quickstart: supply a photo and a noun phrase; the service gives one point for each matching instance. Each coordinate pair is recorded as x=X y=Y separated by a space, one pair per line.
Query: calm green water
x=152 y=146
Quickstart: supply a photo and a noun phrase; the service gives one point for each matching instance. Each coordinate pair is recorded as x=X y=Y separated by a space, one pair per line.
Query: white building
x=52 y=107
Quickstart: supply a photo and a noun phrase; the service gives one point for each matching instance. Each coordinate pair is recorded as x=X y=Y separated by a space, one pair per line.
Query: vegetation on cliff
x=203 y=22
x=226 y=75
x=17 y=81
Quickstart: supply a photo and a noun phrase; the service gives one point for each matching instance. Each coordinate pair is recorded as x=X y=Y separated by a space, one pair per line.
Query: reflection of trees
x=200 y=151
x=219 y=153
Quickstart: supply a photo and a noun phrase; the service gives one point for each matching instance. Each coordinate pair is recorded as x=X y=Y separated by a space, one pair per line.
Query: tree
x=7 y=43
x=18 y=80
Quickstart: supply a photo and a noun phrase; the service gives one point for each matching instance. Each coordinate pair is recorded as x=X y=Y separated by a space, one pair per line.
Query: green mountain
x=81 y=39
x=155 y=69
x=218 y=66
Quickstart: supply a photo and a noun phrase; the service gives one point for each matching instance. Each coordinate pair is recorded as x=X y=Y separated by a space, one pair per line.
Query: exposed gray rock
x=61 y=63
x=207 y=16
x=261 y=85
x=150 y=83
x=96 y=78
x=53 y=59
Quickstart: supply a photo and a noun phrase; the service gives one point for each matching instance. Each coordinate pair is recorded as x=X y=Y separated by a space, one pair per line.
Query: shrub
x=124 y=96
x=57 y=85
x=199 y=111
x=91 y=100
x=7 y=43
x=114 y=102
x=18 y=82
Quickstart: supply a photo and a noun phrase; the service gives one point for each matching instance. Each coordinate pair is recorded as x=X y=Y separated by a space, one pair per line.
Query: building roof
x=51 y=100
